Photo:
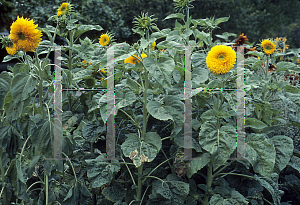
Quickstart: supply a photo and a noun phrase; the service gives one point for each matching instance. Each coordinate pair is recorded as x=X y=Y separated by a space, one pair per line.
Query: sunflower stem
x=40 y=88
x=266 y=66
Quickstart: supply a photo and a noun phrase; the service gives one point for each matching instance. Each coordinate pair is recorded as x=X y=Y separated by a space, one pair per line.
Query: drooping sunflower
x=12 y=50
x=242 y=39
x=133 y=59
x=153 y=45
x=268 y=46
x=220 y=59
x=24 y=34
x=63 y=9
x=281 y=44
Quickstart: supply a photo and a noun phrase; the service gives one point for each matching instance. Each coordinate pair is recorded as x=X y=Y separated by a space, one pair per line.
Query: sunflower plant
x=149 y=109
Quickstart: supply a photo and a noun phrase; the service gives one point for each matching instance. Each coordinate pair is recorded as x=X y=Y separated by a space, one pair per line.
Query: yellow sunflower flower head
x=153 y=45
x=220 y=59
x=12 y=50
x=133 y=59
x=102 y=70
x=25 y=35
x=268 y=46
x=105 y=39
x=63 y=9
x=280 y=44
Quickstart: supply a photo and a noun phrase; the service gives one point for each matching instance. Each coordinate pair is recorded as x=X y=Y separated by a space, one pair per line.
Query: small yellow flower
x=133 y=59
x=24 y=34
x=281 y=45
x=104 y=40
x=63 y=9
x=102 y=70
x=153 y=45
x=12 y=50
x=220 y=59
x=268 y=46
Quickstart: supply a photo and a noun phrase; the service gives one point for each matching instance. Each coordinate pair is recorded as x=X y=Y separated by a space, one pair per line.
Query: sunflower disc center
x=21 y=36
x=221 y=57
x=63 y=9
x=268 y=47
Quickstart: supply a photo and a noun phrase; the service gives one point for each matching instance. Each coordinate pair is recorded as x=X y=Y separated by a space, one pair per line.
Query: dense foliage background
x=258 y=19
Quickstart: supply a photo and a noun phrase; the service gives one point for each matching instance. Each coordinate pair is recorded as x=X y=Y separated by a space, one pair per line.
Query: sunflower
x=12 y=50
x=84 y=62
x=163 y=50
x=220 y=59
x=242 y=39
x=133 y=59
x=24 y=34
x=153 y=45
x=104 y=40
x=63 y=9
x=268 y=46
x=102 y=70
x=280 y=43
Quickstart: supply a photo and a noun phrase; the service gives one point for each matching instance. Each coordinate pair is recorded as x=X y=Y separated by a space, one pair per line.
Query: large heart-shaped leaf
x=220 y=143
x=261 y=149
x=141 y=151
x=161 y=70
x=22 y=85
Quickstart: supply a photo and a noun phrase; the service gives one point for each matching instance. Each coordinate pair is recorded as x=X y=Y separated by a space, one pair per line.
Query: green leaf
x=169 y=44
x=179 y=140
x=92 y=131
x=142 y=151
x=197 y=164
x=220 y=143
x=161 y=69
x=177 y=15
x=261 y=149
x=82 y=74
x=21 y=173
x=171 y=191
x=295 y=163
x=254 y=123
x=123 y=99
x=22 y=85
x=42 y=134
x=159 y=111
x=221 y=20
x=282 y=66
x=291 y=89
x=290 y=101
x=78 y=194
x=271 y=186
x=100 y=171
x=114 y=193
x=284 y=151
x=84 y=28
x=209 y=114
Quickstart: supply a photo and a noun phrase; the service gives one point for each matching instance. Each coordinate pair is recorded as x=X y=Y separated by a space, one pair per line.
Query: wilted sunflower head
x=64 y=9
x=144 y=21
x=105 y=39
x=220 y=59
x=182 y=4
x=242 y=39
x=25 y=35
x=280 y=44
x=268 y=46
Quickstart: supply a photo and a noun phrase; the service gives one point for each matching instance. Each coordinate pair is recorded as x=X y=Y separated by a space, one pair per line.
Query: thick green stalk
x=40 y=88
x=94 y=201
x=267 y=66
x=46 y=186
x=208 y=182
x=139 y=190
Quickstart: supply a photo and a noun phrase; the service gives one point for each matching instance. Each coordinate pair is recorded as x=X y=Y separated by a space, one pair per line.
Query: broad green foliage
x=100 y=172
x=220 y=143
x=54 y=152
x=141 y=151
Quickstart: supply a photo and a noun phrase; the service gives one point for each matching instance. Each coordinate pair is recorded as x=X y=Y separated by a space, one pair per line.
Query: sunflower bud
x=136 y=46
